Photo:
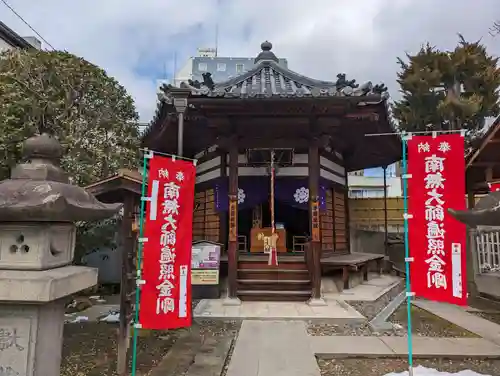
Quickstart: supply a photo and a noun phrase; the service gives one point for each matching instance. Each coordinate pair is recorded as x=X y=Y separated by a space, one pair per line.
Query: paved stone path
x=334 y=311
x=273 y=348
x=333 y=346
x=283 y=348
x=193 y=356
x=460 y=317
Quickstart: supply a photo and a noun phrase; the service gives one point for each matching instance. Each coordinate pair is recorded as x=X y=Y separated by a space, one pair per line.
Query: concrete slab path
x=368 y=291
x=273 y=348
x=460 y=317
x=334 y=311
x=334 y=346
x=283 y=348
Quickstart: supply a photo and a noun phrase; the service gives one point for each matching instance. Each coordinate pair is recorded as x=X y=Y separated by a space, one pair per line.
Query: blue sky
x=135 y=41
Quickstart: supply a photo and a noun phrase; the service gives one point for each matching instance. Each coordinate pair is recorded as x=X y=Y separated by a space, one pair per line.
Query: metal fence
x=488 y=249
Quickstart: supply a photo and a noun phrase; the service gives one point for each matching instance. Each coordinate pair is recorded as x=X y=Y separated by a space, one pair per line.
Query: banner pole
x=407 y=258
x=139 y=261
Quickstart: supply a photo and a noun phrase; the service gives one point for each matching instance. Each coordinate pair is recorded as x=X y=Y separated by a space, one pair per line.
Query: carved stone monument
x=38 y=211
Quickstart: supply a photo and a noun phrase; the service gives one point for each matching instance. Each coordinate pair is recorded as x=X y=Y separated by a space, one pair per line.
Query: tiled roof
x=269 y=79
x=12 y=38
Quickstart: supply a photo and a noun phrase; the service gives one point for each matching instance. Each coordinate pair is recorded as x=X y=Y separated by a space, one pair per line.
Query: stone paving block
x=451 y=347
x=179 y=357
x=210 y=359
x=273 y=348
x=460 y=317
x=329 y=346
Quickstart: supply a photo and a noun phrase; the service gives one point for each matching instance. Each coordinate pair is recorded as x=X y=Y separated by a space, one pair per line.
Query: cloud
x=135 y=41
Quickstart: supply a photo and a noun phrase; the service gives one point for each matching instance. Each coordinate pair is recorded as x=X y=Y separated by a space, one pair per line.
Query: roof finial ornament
x=266 y=46
x=266 y=54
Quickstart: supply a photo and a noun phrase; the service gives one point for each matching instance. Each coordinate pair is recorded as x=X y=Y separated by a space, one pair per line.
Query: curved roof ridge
x=279 y=69
x=300 y=78
x=242 y=77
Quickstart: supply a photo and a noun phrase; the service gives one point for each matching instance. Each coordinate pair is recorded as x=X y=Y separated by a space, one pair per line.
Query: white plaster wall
x=4 y=45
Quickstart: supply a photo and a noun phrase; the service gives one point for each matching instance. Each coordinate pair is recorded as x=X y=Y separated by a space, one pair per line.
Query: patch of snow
x=397 y=326
x=94 y=297
x=423 y=371
x=112 y=317
x=79 y=319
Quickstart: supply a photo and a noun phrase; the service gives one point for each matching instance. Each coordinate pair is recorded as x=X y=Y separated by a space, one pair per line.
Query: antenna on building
x=216 y=38
x=174 y=83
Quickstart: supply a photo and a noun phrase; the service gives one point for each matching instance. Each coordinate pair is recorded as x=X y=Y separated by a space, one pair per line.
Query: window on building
x=221 y=67
x=240 y=68
x=375 y=192
x=202 y=67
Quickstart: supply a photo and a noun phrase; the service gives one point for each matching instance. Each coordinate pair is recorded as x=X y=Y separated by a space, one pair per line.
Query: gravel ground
x=350 y=330
x=489 y=309
x=380 y=367
x=89 y=348
x=372 y=309
x=367 y=309
x=426 y=324
x=484 y=304
x=490 y=316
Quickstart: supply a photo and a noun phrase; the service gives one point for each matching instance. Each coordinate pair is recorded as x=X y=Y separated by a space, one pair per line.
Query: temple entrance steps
x=258 y=281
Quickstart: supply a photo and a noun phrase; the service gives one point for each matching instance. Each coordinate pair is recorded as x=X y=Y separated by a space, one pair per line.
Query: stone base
x=316 y=302
x=231 y=302
x=35 y=334
x=30 y=286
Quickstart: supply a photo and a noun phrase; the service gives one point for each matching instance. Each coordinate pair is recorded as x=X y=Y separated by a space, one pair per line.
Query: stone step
x=274 y=284
x=274 y=295
x=274 y=275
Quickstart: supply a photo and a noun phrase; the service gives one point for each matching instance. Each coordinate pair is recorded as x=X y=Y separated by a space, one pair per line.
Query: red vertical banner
x=494 y=187
x=166 y=269
x=437 y=241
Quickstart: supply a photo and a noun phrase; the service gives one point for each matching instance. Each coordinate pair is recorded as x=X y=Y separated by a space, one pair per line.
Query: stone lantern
x=38 y=211
x=485 y=213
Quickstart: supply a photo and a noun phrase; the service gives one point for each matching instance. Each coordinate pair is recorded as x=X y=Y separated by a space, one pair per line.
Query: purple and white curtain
x=253 y=191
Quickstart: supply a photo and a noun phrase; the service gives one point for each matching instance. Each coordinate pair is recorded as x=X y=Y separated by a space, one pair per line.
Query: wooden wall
x=340 y=220
x=326 y=223
x=206 y=220
x=333 y=221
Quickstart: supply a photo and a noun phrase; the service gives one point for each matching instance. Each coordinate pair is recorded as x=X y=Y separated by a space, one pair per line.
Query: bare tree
x=495 y=29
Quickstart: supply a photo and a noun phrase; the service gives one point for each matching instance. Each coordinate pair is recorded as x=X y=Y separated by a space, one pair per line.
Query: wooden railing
x=488 y=249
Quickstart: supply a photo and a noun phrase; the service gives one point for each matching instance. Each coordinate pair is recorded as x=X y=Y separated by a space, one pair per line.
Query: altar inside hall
x=286 y=209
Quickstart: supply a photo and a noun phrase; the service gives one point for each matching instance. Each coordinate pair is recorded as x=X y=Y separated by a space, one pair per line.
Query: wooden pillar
x=472 y=266
x=127 y=276
x=314 y=221
x=232 y=254
x=386 y=230
x=347 y=212
x=223 y=216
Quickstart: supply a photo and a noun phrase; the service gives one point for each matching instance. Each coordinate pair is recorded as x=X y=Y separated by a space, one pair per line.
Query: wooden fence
x=368 y=213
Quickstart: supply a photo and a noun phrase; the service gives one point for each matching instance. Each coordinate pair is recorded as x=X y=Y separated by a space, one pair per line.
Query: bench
x=354 y=262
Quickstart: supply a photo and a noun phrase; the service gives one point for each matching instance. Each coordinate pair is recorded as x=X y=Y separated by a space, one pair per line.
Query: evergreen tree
x=89 y=112
x=444 y=90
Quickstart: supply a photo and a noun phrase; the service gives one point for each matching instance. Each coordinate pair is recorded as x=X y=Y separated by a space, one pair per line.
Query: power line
x=26 y=22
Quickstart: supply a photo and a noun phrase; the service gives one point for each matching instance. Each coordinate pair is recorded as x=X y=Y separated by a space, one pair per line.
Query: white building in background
x=370 y=183
x=221 y=68
x=10 y=39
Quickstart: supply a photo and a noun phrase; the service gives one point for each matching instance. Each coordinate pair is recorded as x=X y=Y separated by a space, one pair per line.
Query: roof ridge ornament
x=266 y=54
